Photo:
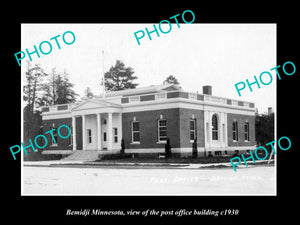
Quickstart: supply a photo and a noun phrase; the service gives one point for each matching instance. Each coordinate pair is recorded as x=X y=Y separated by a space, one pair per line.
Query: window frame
x=159 y=136
x=104 y=136
x=135 y=132
x=115 y=134
x=235 y=131
x=194 y=130
x=246 y=131
x=89 y=136
x=215 y=132
x=54 y=144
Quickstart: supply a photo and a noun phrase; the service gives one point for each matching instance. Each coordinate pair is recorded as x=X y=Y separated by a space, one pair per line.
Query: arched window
x=214 y=122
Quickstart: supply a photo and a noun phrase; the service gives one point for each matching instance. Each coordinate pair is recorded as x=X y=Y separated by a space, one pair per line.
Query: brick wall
x=62 y=144
x=185 y=117
x=149 y=128
x=241 y=119
x=178 y=127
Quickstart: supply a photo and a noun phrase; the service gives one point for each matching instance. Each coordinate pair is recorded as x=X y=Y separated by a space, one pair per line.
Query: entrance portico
x=101 y=125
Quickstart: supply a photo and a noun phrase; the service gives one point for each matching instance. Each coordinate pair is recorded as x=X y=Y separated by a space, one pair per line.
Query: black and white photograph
x=167 y=114
x=110 y=116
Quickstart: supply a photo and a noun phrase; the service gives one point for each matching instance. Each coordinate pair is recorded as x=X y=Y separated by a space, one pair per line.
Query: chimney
x=207 y=90
x=270 y=110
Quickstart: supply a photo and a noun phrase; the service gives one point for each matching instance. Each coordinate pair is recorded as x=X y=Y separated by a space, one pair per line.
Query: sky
x=219 y=55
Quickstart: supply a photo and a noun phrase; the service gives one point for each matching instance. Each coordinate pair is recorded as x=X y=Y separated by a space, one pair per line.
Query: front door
x=91 y=140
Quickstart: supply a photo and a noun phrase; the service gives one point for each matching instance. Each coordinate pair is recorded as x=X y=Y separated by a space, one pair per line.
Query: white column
x=220 y=130
x=83 y=133
x=226 y=132
x=210 y=129
x=109 y=131
x=120 y=128
x=74 y=132
x=99 y=147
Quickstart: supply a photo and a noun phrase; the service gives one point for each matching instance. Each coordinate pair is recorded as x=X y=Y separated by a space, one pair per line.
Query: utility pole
x=103 y=79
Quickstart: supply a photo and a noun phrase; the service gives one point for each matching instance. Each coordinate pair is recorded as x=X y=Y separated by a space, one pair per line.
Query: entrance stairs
x=86 y=155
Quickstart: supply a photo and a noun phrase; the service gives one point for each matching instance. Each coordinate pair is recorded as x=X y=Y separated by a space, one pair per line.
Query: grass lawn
x=129 y=159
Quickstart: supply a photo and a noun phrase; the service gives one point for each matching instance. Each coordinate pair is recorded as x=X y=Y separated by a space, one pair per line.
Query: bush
x=116 y=156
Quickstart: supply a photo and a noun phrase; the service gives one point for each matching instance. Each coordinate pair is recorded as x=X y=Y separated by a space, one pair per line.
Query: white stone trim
x=63 y=152
x=105 y=107
x=96 y=110
x=232 y=148
x=95 y=103
x=185 y=103
x=145 y=150
x=53 y=116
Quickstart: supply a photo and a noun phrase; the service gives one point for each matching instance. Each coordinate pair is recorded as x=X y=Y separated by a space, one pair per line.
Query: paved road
x=253 y=180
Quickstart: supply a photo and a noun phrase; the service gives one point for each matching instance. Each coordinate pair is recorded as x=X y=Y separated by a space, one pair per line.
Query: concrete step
x=88 y=155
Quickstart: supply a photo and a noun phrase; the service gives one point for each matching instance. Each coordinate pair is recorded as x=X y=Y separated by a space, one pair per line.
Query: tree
x=171 y=80
x=48 y=90
x=168 y=152
x=34 y=76
x=37 y=92
x=264 y=128
x=64 y=90
x=119 y=77
x=88 y=93
x=58 y=90
x=32 y=127
x=195 y=149
x=33 y=85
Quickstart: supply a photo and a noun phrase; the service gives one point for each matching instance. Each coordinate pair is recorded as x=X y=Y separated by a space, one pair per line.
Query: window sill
x=234 y=141
x=161 y=142
x=135 y=143
x=54 y=145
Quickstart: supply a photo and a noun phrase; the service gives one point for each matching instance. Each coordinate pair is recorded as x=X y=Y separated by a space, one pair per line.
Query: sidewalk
x=132 y=165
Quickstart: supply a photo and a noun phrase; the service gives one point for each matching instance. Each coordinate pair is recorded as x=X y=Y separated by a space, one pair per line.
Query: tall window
x=246 y=127
x=135 y=131
x=214 y=122
x=235 y=133
x=70 y=139
x=89 y=135
x=193 y=133
x=54 y=143
x=162 y=130
x=116 y=135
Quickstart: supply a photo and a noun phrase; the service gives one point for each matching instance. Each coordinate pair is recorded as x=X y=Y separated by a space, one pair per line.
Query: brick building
x=145 y=117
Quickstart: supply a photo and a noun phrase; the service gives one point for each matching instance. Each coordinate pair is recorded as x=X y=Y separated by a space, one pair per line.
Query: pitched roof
x=91 y=103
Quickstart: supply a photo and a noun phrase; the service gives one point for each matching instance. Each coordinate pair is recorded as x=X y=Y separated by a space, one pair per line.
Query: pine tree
x=64 y=90
x=171 y=80
x=88 y=93
x=33 y=86
x=58 y=90
x=119 y=77
x=34 y=77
